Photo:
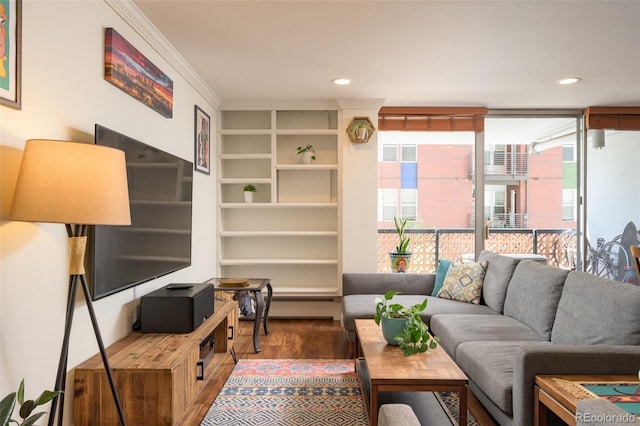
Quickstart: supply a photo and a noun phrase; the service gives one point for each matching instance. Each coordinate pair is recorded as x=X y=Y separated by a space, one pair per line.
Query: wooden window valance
x=615 y=118
x=431 y=119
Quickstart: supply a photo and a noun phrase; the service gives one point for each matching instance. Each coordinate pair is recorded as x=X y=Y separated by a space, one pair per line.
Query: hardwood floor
x=288 y=339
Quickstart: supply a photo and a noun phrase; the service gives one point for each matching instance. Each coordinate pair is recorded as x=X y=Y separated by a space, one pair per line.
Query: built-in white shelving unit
x=290 y=231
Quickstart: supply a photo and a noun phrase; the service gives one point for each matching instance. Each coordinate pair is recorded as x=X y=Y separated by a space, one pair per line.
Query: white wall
x=613 y=194
x=63 y=95
x=359 y=191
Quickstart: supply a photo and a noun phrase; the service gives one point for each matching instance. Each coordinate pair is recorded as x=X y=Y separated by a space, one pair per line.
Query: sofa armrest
x=380 y=283
x=397 y=415
x=532 y=360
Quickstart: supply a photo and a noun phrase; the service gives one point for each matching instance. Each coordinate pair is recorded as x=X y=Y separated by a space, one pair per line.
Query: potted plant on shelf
x=26 y=407
x=402 y=326
x=248 y=193
x=308 y=153
x=401 y=257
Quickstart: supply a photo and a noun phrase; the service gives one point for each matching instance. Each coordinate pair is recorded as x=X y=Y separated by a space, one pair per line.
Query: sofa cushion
x=595 y=310
x=455 y=329
x=533 y=295
x=377 y=283
x=363 y=306
x=496 y=279
x=490 y=366
x=441 y=272
x=463 y=282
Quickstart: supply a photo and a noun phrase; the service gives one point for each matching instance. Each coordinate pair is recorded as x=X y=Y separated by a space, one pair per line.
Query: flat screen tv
x=158 y=241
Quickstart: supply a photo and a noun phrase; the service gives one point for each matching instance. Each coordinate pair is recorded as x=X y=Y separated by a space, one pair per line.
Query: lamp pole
x=77 y=243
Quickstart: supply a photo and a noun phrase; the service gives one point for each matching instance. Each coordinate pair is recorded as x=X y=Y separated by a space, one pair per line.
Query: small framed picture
x=10 y=53
x=202 y=141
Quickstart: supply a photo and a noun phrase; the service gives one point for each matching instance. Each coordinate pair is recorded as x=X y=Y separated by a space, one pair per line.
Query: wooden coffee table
x=389 y=370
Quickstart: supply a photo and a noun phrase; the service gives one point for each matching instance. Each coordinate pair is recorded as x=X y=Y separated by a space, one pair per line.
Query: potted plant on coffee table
x=402 y=326
x=401 y=257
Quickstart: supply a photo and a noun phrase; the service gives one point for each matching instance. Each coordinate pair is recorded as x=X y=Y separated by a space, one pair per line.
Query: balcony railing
x=503 y=220
x=514 y=165
x=428 y=245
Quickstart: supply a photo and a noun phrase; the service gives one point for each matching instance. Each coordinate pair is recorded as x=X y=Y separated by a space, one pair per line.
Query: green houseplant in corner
x=26 y=407
x=403 y=326
x=401 y=257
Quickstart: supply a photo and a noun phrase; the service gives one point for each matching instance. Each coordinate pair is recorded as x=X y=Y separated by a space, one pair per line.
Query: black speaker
x=176 y=308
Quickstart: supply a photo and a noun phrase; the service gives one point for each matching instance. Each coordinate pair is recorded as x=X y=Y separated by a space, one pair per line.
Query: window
x=389 y=153
x=497 y=155
x=568 y=204
x=388 y=204
x=409 y=154
x=569 y=153
x=495 y=207
x=409 y=204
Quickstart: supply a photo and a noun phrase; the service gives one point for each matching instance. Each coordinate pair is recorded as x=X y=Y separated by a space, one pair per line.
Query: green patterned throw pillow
x=463 y=282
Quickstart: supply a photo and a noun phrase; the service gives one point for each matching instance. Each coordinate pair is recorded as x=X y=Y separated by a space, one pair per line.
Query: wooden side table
x=255 y=287
x=550 y=395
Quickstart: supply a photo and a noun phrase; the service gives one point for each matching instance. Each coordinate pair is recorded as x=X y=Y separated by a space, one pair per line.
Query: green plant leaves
x=8 y=403
x=6 y=408
x=415 y=337
x=403 y=240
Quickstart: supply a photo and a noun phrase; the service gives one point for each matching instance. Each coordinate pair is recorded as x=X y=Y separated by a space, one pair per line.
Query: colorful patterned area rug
x=289 y=392
x=452 y=402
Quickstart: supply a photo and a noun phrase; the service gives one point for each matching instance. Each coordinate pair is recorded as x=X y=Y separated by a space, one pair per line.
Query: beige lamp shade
x=72 y=183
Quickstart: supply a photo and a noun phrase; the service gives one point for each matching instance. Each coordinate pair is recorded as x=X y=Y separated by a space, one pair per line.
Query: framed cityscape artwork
x=129 y=70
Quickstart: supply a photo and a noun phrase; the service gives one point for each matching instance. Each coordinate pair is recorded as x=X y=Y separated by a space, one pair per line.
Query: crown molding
x=361 y=103
x=284 y=105
x=130 y=13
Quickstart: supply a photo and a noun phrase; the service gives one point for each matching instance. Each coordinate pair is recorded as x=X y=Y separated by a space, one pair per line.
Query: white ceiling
x=498 y=54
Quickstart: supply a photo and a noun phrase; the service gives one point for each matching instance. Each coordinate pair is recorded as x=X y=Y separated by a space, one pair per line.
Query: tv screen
x=158 y=241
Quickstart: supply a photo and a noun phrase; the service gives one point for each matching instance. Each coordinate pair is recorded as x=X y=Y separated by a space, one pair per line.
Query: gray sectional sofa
x=533 y=319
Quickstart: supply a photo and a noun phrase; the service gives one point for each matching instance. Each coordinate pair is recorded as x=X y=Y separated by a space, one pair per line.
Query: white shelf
x=279 y=234
x=243 y=181
x=307 y=167
x=245 y=131
x=245 y=156
x=224 y=262
x=309 y=132
x=278 y=205
x=294 y=214
x=296 y=292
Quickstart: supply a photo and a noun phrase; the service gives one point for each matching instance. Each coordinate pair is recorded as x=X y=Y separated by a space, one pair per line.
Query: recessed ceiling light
x=341 y=81
x=568 y=80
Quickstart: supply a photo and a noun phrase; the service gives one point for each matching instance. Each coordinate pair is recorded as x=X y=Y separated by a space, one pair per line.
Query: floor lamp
x=77 y=184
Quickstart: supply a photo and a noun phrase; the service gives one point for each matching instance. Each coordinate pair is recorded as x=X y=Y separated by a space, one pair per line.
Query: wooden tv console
x=158 y=375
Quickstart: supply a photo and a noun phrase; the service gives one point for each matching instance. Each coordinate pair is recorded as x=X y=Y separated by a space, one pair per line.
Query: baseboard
x=297 y=308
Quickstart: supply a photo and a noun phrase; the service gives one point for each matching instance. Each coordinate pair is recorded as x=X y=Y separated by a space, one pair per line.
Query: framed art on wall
x=10 y=53
x=202 y=143
x=130 y=71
